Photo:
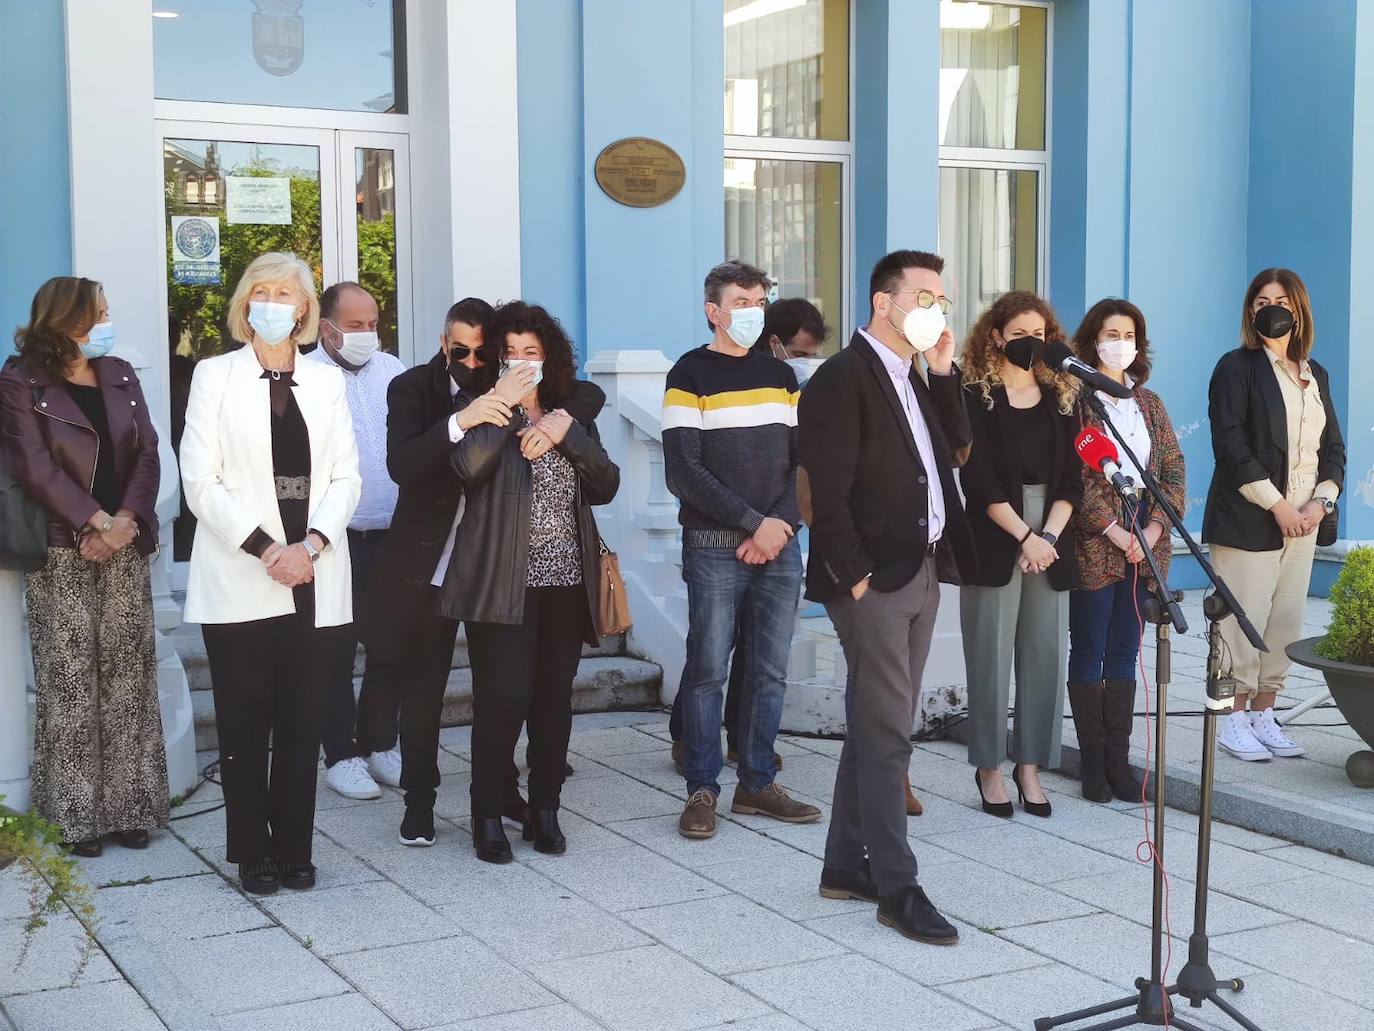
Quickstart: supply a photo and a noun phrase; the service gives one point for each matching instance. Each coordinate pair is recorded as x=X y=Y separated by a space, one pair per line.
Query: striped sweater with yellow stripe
x=730 y=444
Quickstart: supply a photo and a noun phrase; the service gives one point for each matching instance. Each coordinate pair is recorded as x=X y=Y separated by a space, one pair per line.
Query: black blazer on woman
x=992 y=474
x=487 y=573
x=1250 y=442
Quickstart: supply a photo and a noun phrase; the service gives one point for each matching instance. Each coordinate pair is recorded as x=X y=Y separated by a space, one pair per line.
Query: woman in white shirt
x=1104 y=621
x=271 y=472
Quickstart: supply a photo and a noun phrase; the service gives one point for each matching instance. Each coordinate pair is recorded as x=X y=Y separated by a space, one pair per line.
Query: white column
x=14 y=714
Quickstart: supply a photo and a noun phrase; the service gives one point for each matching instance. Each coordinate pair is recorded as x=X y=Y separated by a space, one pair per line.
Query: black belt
x=367 y=534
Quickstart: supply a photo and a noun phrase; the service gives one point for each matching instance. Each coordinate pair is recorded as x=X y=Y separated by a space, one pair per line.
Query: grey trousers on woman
x=1025 y=626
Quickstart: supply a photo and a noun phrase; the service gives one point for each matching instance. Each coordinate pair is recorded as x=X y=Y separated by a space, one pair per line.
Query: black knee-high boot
x=1085 y=702
x=1118 y=710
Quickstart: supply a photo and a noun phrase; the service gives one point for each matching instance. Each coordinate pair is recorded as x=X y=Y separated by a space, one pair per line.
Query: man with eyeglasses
x=730 y=456
x=879 y=444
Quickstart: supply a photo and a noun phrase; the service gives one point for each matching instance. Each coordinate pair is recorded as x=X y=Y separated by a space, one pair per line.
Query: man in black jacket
x=429 y=408
x=878 y=445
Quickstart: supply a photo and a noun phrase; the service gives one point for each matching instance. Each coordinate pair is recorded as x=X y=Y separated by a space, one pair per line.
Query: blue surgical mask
x=100 y=342
x=804 y=368
x=746 y=325
x=516 y=363
x=273 y=322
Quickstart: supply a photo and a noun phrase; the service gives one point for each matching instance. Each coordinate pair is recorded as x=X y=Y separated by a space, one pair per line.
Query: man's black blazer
x=869 y=488
x=419 y=402
x=1250 y=442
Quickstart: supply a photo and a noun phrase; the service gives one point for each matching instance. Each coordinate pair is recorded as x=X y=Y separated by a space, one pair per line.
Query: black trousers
x=268 y=677
x=375 y=713
x=522 y=673
x=425 y=656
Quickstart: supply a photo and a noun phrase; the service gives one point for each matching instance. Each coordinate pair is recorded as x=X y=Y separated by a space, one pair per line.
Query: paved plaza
x=638 y=929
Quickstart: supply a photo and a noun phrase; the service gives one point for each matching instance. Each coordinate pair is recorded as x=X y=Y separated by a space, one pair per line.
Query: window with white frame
x=788 y=147
x=994 y=150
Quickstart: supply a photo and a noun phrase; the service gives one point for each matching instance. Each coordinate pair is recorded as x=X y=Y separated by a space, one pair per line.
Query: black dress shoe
x=417 y=826
x=489 y=840
x=1002 y=809
x=849 y=884
x=85 y=849
x=296 y=876
x=1034 y=808
x=911 y=915
x=132 y=839
x=542 y=829
x=259 y=878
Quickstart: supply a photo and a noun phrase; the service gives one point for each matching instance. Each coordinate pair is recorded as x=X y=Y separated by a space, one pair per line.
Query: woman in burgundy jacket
x=75 y=433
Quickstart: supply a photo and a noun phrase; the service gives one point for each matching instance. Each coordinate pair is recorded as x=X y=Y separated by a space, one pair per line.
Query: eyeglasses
x=926 y=299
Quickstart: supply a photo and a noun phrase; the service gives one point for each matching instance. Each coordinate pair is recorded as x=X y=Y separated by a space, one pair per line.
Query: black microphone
x=1057 y=356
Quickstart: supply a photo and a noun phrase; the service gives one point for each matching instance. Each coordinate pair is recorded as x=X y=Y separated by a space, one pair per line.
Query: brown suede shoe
x=698 y=820
x=773 y=801
x=732 y=759
x=913 y=804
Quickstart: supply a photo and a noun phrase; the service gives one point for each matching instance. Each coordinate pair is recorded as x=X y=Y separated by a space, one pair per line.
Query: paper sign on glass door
x=257 y=200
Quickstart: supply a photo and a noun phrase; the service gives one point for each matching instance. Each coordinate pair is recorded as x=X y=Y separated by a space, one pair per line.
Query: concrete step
x=603 y=683
x=190 y=646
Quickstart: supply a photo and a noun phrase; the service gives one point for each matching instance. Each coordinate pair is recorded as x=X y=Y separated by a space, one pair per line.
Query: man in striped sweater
x=730 y=457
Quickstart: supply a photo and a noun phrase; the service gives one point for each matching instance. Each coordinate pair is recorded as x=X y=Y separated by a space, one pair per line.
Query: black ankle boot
x=260 y=878
x=489 y=839
x=541 y=827
x=1118 y=710
x=1085 y=702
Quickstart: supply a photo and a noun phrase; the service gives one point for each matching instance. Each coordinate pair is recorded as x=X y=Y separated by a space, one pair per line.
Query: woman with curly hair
x=524 y=571
x=1022 y=482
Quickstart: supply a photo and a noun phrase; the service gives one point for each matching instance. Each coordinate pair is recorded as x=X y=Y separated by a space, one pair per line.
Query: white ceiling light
x=957 y=15
x=760 y=9
x=166 y=14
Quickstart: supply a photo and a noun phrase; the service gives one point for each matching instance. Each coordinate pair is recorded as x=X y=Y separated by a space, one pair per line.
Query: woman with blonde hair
x=1280 y=465
x=75 y=434
x=1022 y=483
x=271 y=472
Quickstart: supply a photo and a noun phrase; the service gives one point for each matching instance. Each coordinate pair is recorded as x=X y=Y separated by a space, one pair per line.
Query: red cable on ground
x=1145 y=848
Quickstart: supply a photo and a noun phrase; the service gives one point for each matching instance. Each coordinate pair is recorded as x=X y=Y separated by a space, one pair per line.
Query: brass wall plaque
x=640 y=172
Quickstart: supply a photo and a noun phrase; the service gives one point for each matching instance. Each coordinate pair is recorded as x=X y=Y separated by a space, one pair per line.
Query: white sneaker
x=1268 y=733
x=348 y=777
x=385 y=767
x=1237 y=738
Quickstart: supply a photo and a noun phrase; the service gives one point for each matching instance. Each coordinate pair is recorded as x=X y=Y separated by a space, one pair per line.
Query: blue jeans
x=1104 y=634
x=720 y=590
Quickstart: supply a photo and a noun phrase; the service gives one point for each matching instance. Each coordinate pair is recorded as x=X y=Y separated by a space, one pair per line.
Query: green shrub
x=1350 y=638
x=52 y=877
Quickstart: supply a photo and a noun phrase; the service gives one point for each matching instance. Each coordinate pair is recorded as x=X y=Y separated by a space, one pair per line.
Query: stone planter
x=1352 y=687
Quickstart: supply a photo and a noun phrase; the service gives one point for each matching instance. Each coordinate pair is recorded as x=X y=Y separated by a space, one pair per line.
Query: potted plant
x=34 y=848
x=1345 y=655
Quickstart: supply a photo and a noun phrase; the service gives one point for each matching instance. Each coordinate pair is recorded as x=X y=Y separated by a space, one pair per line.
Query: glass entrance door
x=337 y=199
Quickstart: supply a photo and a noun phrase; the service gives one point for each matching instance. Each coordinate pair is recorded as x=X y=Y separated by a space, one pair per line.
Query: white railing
x=641 y=526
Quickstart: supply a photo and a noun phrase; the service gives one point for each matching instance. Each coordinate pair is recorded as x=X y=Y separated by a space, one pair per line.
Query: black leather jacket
x=487 y=573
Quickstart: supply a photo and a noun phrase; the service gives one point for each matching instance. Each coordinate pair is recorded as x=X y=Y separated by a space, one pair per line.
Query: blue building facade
x=1182 y=146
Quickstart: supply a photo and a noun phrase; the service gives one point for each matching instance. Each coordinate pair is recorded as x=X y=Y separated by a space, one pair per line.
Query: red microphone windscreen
x=1095 y=448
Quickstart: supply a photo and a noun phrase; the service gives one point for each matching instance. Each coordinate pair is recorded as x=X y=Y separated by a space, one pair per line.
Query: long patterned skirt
x=99 y=761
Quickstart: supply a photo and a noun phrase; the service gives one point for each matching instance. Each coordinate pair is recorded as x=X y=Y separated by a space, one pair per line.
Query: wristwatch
x=310 y=550
x=1049 y=537
x=1328 y=506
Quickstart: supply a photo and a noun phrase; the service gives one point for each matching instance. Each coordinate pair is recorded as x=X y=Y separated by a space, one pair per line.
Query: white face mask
x=746 y=324
x=358 y=348
x=922 y=327
x=271 y=321
x=1116 y=354
x=516 y=363
x=805 y=368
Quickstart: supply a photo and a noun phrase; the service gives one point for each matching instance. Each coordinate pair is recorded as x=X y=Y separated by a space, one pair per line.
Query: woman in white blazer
x=270 y=470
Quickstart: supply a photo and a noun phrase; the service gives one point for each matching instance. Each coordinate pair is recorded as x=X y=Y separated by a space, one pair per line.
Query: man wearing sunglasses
x=879 y=444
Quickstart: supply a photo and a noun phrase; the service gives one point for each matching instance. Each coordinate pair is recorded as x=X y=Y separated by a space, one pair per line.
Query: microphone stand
x=1151 y=1004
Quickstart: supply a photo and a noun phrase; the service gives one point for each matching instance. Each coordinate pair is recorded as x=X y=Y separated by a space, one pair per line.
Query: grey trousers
x=886 y=639
x=1022 y=626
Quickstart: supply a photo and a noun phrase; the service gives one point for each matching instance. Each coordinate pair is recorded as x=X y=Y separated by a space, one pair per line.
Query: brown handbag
x=613 y=607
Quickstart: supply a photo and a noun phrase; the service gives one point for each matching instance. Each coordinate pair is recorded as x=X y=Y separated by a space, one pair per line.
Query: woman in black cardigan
x=1280 y=465
x=1022 y=482
x=524 y=575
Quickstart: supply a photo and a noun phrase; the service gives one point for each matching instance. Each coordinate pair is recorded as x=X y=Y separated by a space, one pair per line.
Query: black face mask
x=1273 y=321
x=460 y=373
x=1024 y=352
